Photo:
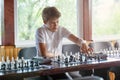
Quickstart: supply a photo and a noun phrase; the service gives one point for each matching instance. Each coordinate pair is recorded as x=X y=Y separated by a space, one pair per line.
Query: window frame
x=32 y=43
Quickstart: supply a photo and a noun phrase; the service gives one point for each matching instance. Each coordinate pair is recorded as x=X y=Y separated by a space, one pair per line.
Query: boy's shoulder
x=41 y=28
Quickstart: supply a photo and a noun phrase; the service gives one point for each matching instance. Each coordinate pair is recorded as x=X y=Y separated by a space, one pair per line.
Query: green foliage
x=106 y=18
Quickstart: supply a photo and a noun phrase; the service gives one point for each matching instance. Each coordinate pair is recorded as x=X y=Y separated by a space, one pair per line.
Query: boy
x=50 y=35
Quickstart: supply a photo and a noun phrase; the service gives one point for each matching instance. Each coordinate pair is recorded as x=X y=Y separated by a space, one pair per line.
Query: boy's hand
x=85 y=49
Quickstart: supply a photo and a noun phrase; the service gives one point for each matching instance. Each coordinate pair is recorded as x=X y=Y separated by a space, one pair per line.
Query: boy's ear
x=44 y=22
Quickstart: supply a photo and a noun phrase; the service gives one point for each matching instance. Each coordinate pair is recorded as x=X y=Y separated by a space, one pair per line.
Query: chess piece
x=71 y=57
x=12 y=63
x=32 y=63
x=36 y=63
x=66 y=60
x=83 y=57
x=22 y=62
x=16 y=64
x=80 y=57
x=7 y=63
x=58 y=59
x=27 y=64
x=3 y=64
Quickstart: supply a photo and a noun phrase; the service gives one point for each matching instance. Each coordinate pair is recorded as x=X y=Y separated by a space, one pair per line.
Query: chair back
x=70 y=48
x=97 y=46
x=117 y=44
x=27 y=53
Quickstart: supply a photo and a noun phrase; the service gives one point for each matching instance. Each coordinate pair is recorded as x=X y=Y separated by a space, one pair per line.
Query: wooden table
x=58 y=68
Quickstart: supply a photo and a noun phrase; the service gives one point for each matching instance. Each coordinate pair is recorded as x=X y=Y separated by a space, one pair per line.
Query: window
x=1 y=12
x=29 y=17
x=106 y=19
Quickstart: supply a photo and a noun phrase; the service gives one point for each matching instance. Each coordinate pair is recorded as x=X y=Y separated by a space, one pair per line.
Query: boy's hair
x=49 y=13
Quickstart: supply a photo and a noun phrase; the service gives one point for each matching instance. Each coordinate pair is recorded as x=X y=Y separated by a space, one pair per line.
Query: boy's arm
x=44 y=52
x=80 y=42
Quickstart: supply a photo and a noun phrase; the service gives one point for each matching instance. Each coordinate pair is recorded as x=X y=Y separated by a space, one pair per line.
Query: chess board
x=24 y=64
x=81 y=58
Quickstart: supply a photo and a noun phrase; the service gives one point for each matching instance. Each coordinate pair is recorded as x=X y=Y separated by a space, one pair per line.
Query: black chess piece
x=58 y=59
x=15 y=65
x=71 y=58
x=27 y=64
x=36 y=63
x=9 y=66
x=98 y=58
x=74 y=59
x=32 y=63
x=80 y=57
x=19 y=65
x=86 y=58
x=22 y=64
x=66 y=60
x=3 y=66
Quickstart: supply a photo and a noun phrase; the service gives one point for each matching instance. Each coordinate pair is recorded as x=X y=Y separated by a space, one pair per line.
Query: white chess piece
x=12 y=63
x=7 y=62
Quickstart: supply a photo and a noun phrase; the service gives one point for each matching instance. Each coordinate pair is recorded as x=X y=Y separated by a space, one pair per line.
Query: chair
x=75 y=75
x=39 y=78
x=117 y=44
x=114 y=72
x=97 y=46
x=27 y=53
x=70 y=48
x=89 y=78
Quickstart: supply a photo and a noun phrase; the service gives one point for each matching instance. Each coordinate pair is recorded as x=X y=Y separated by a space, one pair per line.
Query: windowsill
x=32 y=43
x=107 y=38
x=25 y=44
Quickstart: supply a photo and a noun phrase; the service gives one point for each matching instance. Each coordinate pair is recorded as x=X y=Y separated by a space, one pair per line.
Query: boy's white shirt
x=53 y=40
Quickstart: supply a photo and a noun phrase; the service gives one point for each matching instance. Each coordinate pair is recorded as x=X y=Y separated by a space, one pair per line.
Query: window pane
x=29 y=16
x=0 y=18
x=106 y=19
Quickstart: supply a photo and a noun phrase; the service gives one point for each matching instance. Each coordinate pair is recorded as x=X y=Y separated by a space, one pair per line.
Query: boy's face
x=52 y=24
